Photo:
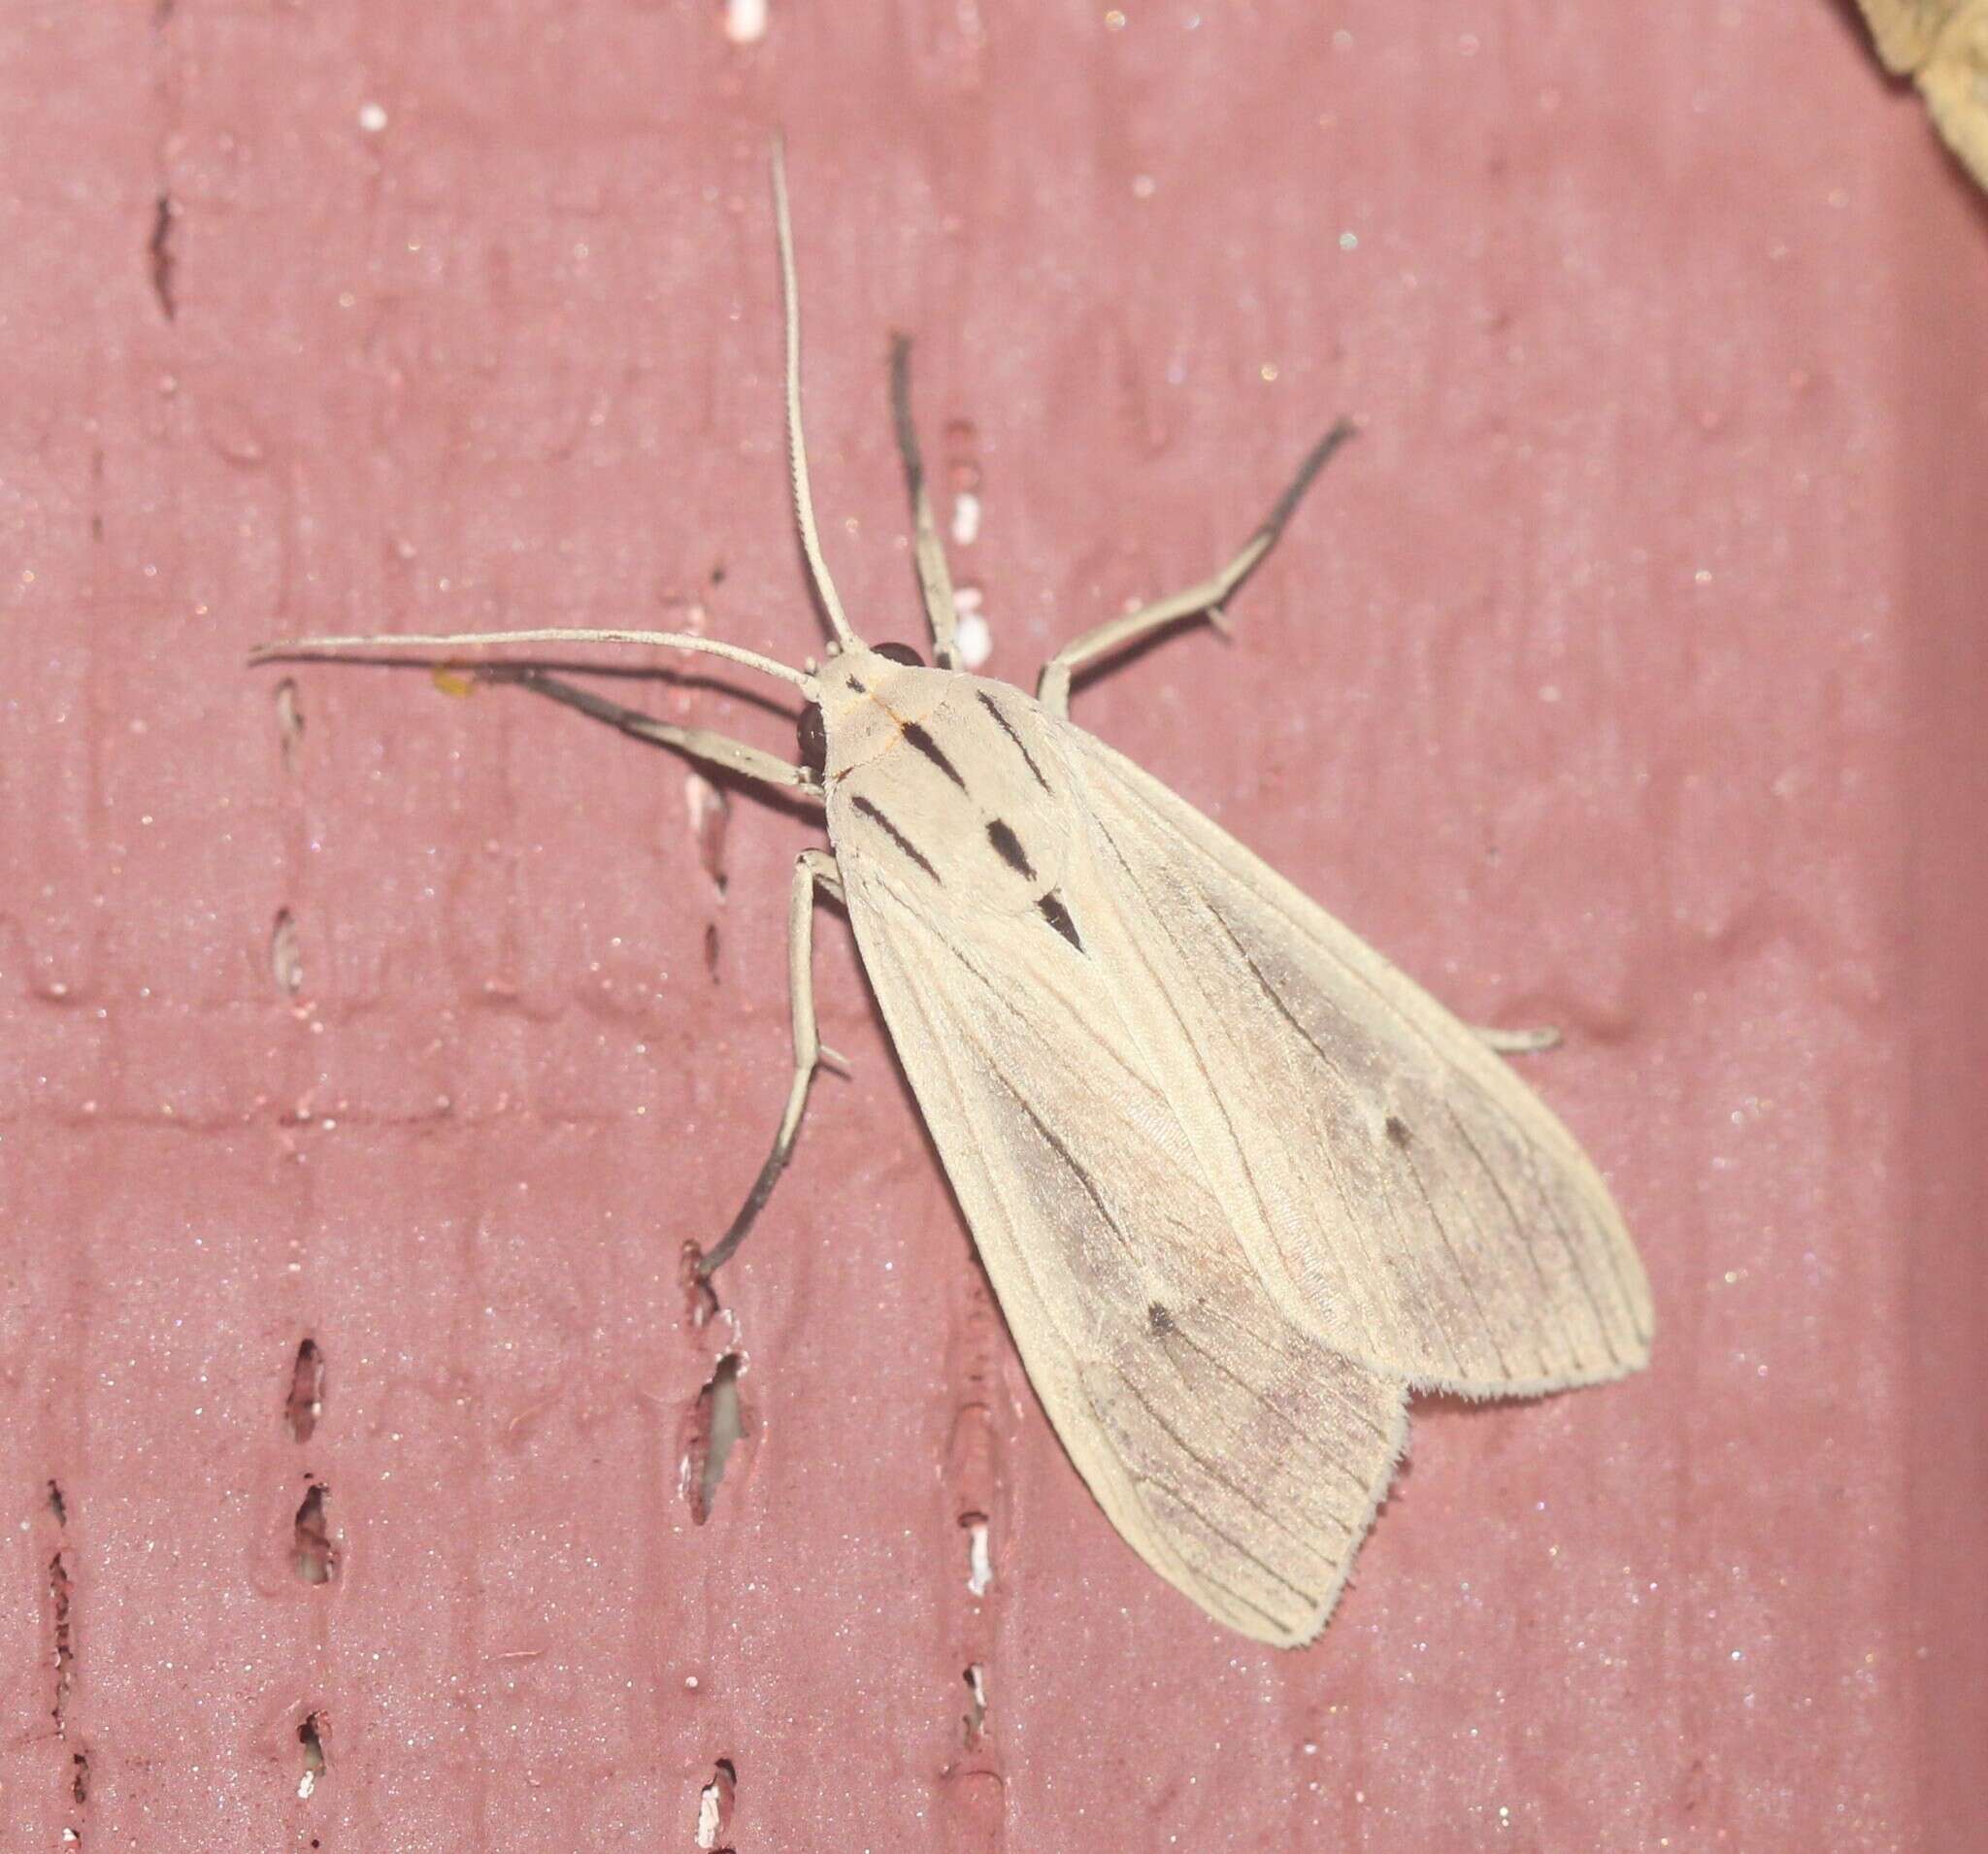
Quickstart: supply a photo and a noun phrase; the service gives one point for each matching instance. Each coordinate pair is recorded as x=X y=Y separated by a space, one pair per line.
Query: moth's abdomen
x=966 y=808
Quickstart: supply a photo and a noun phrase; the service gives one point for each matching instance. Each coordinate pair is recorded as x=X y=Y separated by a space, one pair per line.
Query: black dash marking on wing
x=915 y=736
x=858 y=687
x=1158 y=1321
x=1397 y=1128
x=1083 y=1178
x=1058 y=917
x=1012 y=852
x=1007 y=727
x=897 y=837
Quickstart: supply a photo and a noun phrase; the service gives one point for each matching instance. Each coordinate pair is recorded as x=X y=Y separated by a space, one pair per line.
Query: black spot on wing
x=1007 y=727
x=1008 y=845
x=1158 y=1321
x=1058 y=917
x=897 y=837
x=916 y=737
x=1397 y=1130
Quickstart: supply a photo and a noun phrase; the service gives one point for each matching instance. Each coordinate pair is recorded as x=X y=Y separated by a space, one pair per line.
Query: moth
x=1239 y=1186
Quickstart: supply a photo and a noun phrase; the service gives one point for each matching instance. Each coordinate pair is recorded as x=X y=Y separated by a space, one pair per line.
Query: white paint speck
x=973 y=640
x=965 y=517
x=745 y=21
x=707 y=1815
x=372 y=118
x=979 y=1564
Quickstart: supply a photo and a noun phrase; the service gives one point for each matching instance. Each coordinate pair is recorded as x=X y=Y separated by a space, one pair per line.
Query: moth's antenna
x=797 y=448
x=450 y=641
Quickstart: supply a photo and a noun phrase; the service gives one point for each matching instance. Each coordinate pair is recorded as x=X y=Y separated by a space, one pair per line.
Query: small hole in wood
x=315 y=1560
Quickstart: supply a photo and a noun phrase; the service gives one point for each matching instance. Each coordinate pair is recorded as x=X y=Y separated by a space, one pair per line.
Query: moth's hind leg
x=1053 y=689
x=696 y=743
x=935 y=580
x=813 y=869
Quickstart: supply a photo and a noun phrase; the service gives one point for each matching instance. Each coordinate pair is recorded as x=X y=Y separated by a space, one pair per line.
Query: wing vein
x=1573 y=1262
x=1213 y=1473
x=1235 y=1544
x=1525 y=1241
x=1348 y=1408
x=1355 y=1222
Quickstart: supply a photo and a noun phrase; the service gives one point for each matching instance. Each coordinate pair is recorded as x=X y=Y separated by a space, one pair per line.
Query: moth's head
x=869 y=695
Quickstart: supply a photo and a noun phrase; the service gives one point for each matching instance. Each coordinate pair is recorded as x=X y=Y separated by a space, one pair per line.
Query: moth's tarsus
x=935 y=578
x=749 y=1212
x=900 y=414
x=1308 y=472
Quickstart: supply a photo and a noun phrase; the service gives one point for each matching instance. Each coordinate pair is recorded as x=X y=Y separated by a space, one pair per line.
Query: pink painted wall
x=1625 y=675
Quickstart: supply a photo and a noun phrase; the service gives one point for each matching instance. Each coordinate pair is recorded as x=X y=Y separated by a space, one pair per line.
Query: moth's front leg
x=694 y=743
x=1116 y=634
x=813 y=869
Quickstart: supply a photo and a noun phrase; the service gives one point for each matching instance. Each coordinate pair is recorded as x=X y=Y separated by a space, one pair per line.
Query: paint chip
x=980 y=1560
x=973 y=638
x=965 y=519
x=746 y=20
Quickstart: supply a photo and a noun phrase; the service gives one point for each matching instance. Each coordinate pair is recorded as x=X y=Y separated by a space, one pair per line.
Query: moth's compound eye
x=900 y=653
x=814 y=736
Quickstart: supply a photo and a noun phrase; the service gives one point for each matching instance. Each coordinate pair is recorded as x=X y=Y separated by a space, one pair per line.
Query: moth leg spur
x=1053 y=688
x=696 y=743
x=935 y=580
x=813 y=869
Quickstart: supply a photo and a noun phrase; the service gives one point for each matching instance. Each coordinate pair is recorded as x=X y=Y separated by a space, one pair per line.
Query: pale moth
x=1239 y=1186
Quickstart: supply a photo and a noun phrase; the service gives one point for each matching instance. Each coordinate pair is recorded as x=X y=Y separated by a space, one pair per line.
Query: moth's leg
x=1053 y=689
x=699 y=743
x=1519 y=1042
x=813 y=869
x=940 y=612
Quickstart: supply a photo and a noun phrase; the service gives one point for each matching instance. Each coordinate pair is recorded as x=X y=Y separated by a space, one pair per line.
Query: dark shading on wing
x=1419 y=1200
x=1239 y=1454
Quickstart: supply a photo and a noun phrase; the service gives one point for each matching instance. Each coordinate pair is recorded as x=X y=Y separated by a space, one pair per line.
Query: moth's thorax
x=943 y=778
x=867 y=700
